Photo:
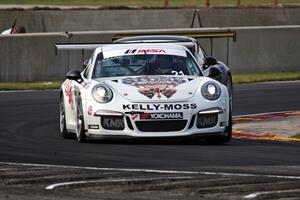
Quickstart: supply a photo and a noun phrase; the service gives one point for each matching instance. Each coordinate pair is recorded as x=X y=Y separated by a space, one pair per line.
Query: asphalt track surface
x=29 y=133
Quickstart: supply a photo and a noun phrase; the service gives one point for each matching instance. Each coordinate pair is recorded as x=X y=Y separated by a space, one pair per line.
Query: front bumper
x=208 y=121
x=157 y=118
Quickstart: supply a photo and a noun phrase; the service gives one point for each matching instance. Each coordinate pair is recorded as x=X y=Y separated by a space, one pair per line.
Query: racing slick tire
x=224 y=138
x=62 y=119
x=80 y=129
x=230 y=90
x=228 y=131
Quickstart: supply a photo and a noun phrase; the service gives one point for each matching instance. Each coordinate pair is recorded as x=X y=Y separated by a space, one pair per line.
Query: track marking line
x=274 y=82
x=265 y=113
x=51 y=187
x=154 y=171
x=256 y=194
x=101 y=169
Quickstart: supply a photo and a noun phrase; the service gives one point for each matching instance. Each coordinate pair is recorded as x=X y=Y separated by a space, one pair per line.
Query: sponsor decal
x=155 y=107
x=90 y=110
x=155 y=86
x=112 y=123
x=134 y=116
x=207 y=121
x=161 y=116
x=145 y=51
x=68 y=92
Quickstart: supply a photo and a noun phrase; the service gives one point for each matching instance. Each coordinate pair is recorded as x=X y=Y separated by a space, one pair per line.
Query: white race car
x=144 y=90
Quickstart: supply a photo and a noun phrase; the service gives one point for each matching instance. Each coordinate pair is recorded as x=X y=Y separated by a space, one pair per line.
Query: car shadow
x=153 y=141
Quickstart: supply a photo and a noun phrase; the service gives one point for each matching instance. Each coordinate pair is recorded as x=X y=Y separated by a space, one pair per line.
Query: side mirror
x=209 y=61
x=74 y=75
x=214 y=72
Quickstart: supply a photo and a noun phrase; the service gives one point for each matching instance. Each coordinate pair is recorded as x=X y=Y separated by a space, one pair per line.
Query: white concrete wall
x=132 y=19
x=31 y=57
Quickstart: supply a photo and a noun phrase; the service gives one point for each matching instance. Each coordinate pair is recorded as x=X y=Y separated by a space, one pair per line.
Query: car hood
x=155 y=88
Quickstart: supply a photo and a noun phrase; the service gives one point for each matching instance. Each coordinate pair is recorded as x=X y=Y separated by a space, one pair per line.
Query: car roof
x=155 y=38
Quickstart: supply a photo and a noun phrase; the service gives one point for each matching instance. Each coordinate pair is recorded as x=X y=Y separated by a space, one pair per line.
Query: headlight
x=102 y=93
x=211 y=91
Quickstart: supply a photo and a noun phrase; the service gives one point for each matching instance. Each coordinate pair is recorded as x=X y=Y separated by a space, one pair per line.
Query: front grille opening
x=112 y=122
x=192 y=122
x=161 y=126
x=129 y=124
x=207 y=120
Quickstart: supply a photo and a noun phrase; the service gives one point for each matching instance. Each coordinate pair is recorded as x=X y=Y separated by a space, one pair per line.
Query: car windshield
x=145 y=64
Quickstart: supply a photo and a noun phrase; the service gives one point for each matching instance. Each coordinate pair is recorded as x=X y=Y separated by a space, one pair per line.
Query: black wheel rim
x=229 y=88
x=62 y=116
x=79 y=120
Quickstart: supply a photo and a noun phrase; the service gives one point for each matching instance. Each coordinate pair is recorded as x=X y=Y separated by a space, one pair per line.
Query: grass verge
x=297 y=136
x=31 y=86
x=264 y=77
x=237 y=79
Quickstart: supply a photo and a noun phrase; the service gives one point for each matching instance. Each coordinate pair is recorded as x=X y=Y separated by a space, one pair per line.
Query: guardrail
x=207 y=3
x=31 y=57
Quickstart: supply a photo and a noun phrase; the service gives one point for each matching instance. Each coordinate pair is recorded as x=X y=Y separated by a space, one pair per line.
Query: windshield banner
x=141 y=51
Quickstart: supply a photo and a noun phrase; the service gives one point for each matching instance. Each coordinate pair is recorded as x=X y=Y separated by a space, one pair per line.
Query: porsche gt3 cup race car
x=144 y=90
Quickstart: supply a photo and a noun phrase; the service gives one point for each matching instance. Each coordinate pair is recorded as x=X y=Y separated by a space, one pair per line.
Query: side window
x=97 y=66
x=192 y=66
x=87 y=69
x=200 y=56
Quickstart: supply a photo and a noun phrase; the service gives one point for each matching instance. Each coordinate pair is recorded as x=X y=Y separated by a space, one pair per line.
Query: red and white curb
x=261 y=117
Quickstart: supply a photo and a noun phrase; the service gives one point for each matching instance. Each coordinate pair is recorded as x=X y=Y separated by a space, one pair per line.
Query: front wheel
x=228 y=131
x=230 y=91
x=80 y=129
x=62 y=119
x=224 y=138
